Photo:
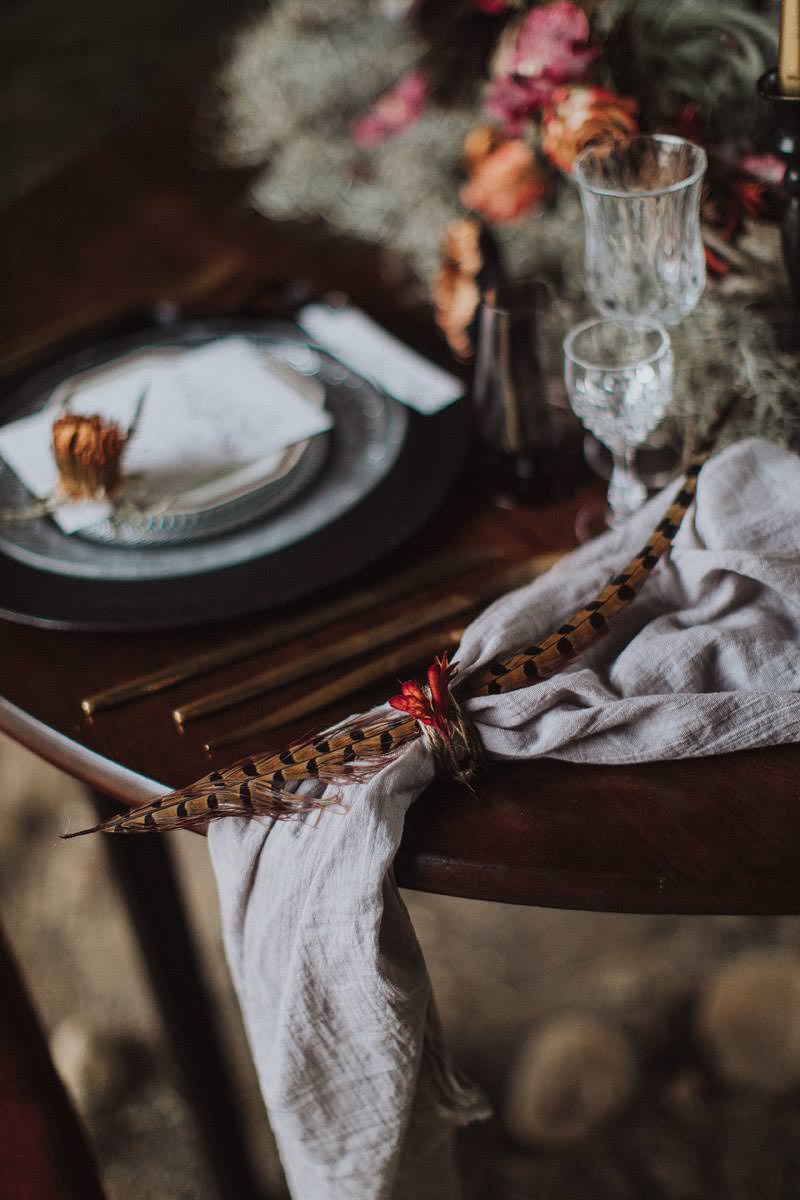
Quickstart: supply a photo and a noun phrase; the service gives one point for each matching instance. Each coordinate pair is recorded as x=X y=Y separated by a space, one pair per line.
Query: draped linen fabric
x=361 y=1095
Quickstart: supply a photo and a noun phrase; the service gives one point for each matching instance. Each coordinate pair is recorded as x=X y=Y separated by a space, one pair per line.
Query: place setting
x=239 y=464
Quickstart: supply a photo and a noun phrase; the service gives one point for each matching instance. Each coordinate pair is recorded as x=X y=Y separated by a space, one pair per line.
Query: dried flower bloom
x=510 y=101
x=88 y=454
x=455 y=290
x=505 y=183
x=479 y=143
x=552 y=43
x=456 y=298
x=462 y=246
x=579 y=116
x=550 y=48
x=429 y=705
x=766 y=167
x=393 y=112
x=728 y=198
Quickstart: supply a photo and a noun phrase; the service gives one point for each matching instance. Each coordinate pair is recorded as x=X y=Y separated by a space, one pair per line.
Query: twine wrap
x=441 y=721
x=458 y=751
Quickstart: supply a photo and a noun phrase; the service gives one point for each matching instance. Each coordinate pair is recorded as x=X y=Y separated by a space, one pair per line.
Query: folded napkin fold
x=332 y=984
x=205 y=412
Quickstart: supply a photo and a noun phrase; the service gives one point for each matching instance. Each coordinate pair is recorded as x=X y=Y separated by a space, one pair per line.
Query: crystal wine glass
x=643 y=248
x=619 y=379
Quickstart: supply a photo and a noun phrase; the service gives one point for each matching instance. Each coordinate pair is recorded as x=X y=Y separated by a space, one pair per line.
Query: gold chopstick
x=337 y=651
x=343 y=650
x=438 y=567
x=346 y=685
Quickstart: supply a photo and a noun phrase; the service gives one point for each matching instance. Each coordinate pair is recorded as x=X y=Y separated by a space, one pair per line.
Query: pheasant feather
x=355 y=750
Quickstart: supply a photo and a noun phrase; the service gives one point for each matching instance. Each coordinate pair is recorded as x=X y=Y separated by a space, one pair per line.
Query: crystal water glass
x=643 y=248
x=619 y=379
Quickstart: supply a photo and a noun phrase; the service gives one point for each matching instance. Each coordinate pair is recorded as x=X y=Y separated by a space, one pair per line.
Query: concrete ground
x=614 y=1066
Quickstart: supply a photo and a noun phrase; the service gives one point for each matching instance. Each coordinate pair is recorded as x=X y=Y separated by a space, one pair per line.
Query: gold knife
x=430 y=571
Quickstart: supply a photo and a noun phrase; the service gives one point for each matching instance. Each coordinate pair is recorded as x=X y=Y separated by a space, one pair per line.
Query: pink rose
x=766 y=167
x=393 y=112
x=550 y=49
x=512 y=101
x=551 y=43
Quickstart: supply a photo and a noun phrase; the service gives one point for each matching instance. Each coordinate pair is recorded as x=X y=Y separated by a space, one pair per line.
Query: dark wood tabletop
x=147 y=217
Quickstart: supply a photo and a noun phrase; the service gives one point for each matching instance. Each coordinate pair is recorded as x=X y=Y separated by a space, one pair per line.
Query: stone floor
x=627 y=1057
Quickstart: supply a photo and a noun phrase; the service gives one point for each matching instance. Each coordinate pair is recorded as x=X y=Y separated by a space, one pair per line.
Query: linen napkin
x=336 y=999
x=212 y=417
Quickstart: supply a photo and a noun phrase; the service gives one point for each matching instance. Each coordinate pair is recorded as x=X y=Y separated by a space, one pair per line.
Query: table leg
x=145 y=872
x=44 y=1154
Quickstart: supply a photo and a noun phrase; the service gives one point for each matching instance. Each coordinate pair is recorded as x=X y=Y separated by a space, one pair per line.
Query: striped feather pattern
x=548 y=657
x=266 y=784
x=263 y=785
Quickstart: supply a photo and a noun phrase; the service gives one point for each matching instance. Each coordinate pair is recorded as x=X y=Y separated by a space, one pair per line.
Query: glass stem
x=626 y=491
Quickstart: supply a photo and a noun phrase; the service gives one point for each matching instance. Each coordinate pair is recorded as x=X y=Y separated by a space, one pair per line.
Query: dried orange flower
x=88 y=454
x=505 y=182
x=462 y=245
x=456 y=298
x=455 y=290
x=479 y=143
x=579 y=116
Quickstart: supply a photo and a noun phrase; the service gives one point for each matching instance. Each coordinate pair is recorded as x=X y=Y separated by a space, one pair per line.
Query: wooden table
x=143 y=218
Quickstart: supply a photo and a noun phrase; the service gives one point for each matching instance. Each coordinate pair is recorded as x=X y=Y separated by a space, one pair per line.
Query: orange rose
x=504 y=183
x=580 y=116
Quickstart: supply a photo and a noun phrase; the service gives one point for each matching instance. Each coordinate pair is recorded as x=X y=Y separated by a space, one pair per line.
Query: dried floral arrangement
x=390 y=120
x=438 y=127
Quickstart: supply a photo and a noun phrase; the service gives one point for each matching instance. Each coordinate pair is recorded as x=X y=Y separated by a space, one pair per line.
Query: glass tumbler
x=619 y=379
x=529 y=438
x=641 y=205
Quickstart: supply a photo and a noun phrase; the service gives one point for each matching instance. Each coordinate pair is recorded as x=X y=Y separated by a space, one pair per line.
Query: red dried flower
x=429 y=705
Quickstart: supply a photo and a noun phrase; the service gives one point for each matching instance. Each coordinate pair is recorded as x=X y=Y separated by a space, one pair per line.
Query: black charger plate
x=400 y=499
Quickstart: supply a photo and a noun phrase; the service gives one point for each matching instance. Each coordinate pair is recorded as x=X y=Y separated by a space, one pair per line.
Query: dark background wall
x=70 y=70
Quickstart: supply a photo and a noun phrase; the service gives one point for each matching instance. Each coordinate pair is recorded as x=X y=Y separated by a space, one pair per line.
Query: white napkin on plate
x=206 y=411
x=330 y=977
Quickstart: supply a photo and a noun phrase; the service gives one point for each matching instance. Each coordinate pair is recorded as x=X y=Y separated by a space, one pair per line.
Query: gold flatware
x=336 y=652
x=430 y=571
x=400 y=659
x=342 y=650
